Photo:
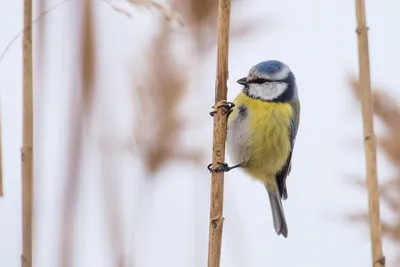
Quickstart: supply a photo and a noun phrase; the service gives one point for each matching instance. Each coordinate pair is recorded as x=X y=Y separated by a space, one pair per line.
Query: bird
x=261 y=131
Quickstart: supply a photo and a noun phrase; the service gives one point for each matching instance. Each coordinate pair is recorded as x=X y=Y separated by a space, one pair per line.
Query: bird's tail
x=278 y=214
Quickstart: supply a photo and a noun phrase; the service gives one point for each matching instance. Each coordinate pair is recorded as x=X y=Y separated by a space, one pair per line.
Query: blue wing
x=284 y=172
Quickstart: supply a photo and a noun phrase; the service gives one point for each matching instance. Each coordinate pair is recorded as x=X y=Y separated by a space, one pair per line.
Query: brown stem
x=220 y=120
x=369 y=136
x=80 y=114
x=27 y=138
x=1 y=163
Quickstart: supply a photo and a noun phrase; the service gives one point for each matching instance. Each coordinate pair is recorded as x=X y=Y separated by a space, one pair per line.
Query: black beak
x=242 y=81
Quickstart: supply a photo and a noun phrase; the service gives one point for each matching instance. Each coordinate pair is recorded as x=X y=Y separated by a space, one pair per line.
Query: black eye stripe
x=262 y=80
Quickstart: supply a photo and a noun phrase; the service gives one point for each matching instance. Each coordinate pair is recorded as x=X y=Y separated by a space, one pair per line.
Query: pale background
x=169 y=226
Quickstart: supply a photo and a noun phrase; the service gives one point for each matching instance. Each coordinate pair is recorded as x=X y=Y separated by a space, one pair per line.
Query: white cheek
x=267 y=91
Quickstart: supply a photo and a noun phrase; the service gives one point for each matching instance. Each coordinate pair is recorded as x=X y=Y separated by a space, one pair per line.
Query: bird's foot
x=223 y=167
x=227 y=108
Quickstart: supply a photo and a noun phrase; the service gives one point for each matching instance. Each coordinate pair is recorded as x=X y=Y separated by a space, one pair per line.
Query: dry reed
x=220 y=121
x=27 y=140
x=1 y=160
x=41 y=7
x=42 y=14
x=369 y=136
x=78 y=113
x=112 y=209
x=169 y=15
x=159 y=143
x=387 y=111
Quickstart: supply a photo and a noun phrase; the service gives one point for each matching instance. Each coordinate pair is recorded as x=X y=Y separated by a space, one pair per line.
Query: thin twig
x=29 y=26
x=220 y=120
x=169 y=15
x=27 y=139
x=369 y=136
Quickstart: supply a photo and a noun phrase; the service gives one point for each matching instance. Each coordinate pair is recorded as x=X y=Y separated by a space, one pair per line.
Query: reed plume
x=387 y=111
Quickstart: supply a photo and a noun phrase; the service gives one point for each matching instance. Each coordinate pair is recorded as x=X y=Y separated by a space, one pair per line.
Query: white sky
x=315 y=38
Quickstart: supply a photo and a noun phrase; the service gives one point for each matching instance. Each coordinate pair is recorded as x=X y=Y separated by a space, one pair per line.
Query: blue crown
x=270 y=66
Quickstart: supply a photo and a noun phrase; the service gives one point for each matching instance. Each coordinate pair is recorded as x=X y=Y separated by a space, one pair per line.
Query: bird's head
x=270 y=80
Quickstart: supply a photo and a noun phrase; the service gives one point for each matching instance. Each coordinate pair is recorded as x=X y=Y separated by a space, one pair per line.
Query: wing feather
x=285 y=171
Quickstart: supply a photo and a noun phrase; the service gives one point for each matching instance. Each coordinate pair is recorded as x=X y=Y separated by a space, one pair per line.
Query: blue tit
x=262 y=128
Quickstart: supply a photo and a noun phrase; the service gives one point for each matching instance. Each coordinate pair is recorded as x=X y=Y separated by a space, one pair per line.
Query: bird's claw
x=227 y=109
x=224 y=167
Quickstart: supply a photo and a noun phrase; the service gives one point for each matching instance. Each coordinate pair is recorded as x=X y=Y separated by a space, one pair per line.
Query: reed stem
x=1 y=162
x=369 y=136
x=27 y=138
x=219 y=133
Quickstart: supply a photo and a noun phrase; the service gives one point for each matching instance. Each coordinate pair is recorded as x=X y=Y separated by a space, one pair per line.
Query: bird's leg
x=223 y=167
x=227 y=109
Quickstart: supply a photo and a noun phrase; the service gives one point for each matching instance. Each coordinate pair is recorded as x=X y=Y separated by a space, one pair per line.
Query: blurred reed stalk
x=369 y=136
x=1 y=162
x=112 y=209
x=387 y=110
x=220 y=121
x=27 y=139
x=79 y=112
x=41 y=41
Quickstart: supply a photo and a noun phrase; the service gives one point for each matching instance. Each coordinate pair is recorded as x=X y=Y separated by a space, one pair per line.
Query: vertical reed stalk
x=369 y=136
x=79 y=109
x=1 y=162
x=220 y=120
x=27 y=138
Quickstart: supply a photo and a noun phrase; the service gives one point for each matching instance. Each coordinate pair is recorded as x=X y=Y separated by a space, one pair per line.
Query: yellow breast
x=265 y=143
